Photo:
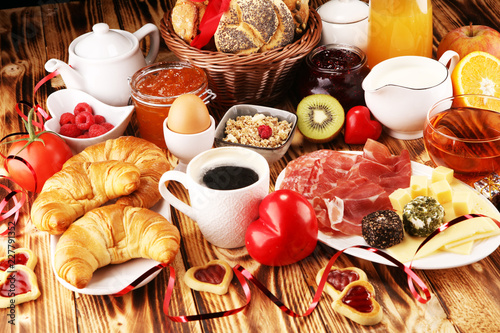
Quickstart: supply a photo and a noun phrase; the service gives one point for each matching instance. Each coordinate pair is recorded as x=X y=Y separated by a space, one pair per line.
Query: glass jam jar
x=155 y=87
x=337 y=70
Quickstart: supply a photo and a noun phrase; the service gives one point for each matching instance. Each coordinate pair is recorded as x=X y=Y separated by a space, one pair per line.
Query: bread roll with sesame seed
x=286 y=27
x=246 y=26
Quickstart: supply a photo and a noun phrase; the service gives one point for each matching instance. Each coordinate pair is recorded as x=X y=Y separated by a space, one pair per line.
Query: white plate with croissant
x=114 y=278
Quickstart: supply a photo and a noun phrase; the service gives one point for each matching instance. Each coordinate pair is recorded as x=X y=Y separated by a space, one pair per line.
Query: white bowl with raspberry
x=82 y=120
x=259 y=131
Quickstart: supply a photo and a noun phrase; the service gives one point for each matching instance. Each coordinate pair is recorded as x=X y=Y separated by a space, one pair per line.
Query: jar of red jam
x=155 y=87
x=337 y=70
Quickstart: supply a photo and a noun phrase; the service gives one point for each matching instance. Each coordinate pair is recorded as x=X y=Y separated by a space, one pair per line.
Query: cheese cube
x=462 y=202
x=399 y=199
x=418 y=186
x=441 y=190
x=441 y=173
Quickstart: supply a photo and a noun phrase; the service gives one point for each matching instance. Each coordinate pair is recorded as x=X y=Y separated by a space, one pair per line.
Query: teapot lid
x=102 y=43
x=343 y=11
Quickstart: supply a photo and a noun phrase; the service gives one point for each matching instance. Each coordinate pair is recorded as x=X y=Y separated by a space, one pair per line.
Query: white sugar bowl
x=344 y=22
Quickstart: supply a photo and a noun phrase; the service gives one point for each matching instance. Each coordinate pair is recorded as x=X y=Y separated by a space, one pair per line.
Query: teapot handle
x=151 y=30
x=450 y=57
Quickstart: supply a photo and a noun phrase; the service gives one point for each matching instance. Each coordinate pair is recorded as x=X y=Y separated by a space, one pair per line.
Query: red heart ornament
x=360 y=126
x=286 y=231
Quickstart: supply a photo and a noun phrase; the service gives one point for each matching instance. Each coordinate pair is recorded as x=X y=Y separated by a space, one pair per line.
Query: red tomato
x=286 y=231
x=46 y=158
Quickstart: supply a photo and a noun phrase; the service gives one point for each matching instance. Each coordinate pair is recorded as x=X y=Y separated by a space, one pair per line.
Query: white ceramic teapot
x=101 y=62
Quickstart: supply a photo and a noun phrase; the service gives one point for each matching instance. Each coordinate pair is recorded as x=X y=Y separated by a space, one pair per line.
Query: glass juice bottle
x=398 y=28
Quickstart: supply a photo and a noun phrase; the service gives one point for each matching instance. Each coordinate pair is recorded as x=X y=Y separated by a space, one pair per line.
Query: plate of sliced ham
x=345 y=186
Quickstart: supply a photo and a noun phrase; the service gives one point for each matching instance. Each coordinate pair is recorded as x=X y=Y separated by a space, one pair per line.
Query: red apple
x=470 y=38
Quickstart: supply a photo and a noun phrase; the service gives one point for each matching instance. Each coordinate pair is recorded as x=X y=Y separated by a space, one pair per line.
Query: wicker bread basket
x=259 y=78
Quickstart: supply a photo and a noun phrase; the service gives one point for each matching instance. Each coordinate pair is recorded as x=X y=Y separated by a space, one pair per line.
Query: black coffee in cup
x=229 y=177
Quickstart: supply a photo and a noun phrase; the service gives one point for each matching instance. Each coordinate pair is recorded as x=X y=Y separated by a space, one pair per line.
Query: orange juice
x=398 y=28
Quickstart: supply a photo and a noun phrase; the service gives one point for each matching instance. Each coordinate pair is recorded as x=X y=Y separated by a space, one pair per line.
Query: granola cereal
x=244 y=130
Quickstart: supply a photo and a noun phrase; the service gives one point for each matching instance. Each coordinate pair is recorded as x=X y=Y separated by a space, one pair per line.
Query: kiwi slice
x=320 y=117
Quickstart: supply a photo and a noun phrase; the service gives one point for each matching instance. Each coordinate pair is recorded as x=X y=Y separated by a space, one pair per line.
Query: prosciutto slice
x=344 y=187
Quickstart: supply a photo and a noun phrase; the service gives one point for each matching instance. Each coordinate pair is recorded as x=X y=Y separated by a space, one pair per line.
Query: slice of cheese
x=463 y=249
x=418 y=186
x=405 y=250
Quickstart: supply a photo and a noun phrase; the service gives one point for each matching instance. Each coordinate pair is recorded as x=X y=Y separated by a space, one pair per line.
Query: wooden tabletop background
x=464 y=299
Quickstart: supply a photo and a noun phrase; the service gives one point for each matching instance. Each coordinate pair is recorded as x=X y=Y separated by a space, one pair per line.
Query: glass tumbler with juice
x=398 y=28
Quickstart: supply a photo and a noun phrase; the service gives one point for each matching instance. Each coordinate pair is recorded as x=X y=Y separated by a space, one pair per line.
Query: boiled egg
x=188 y=115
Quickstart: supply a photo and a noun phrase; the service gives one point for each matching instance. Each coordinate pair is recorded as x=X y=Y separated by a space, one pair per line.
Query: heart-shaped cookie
x=214 y=277
x=21 y=256
x=357 y=302
x=18 y=285
x=339 y=278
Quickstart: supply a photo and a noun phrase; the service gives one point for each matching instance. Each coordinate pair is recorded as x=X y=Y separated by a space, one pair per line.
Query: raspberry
x=84 y=120
x=265 y=131
x=96 y=130
x=107 y=126
x=70 y=130
x=99 y=119
x=81 y=107
x=84 y=135
x=67 y=118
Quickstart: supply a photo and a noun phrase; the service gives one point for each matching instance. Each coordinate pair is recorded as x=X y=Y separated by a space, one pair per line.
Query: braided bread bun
x=285 y=31
x=251 y=26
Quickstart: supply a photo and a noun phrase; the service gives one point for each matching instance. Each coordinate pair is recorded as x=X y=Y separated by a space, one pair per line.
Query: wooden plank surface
x=464 y=299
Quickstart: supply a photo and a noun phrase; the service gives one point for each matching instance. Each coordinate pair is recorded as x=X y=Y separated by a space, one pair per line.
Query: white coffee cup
x=222 y=215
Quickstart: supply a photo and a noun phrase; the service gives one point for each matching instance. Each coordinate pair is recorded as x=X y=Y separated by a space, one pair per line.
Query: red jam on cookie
x=214 y=277
x=357 y=302
x=339 y=278
x=18 y=285
x=21 y=256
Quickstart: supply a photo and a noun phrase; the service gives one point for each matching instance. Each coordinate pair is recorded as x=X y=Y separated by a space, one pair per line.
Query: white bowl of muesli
x=268 y=131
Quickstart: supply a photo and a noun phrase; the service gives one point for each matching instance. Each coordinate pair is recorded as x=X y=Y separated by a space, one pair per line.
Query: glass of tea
x=463 y=134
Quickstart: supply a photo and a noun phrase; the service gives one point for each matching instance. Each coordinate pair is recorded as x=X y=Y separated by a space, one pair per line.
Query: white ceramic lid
x=102 y=43
x=343 y=11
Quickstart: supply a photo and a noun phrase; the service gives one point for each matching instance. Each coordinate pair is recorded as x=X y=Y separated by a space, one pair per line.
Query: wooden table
x=464 y=299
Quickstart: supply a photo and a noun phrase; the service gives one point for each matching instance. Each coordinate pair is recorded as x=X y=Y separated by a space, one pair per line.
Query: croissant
x=77 y=189
x=110 y=235
x=150 y=159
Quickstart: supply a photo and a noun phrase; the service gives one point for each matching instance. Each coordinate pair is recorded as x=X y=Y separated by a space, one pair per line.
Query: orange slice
x=478 y=73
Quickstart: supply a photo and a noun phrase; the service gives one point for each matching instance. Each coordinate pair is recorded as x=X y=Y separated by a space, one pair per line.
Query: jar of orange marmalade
x=155 y=87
